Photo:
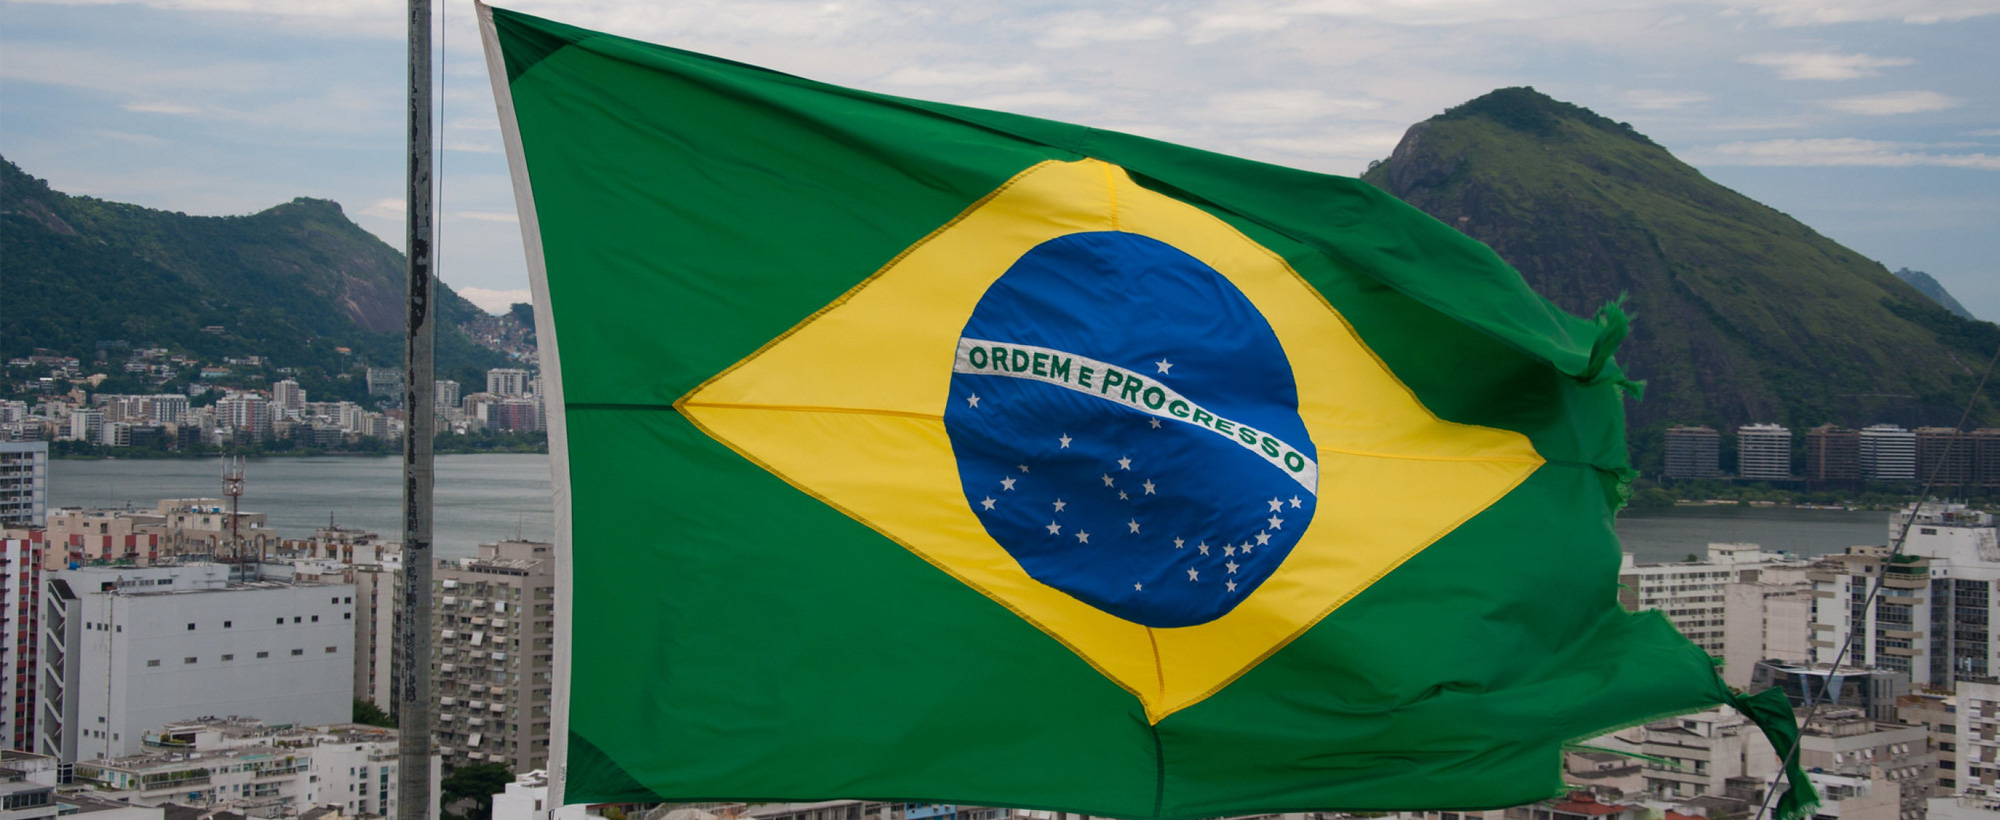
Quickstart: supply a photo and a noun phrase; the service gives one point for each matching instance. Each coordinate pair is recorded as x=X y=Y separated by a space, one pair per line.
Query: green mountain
x=1929 y=286
x=293 y=283
x=1740 y=313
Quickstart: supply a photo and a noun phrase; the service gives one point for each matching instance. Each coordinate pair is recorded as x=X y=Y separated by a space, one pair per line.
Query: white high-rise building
x=84 y=425
x=1692 y=594
x=507 y=381
x=1763 y=452
x=1935 y=613
x=446 y=397
x=167 y=408
x=248 y=413
x=1767 y=615
x=128 y=649
x=1888 y=453
x=287 y=395
x=24 y=483
x=1978 y=733
x=378 y=585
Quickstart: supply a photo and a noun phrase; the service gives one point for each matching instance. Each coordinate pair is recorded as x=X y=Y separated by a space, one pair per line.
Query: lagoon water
x=495 y=496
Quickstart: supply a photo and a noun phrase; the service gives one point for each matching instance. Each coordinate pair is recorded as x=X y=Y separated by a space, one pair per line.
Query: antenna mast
x=232 y=486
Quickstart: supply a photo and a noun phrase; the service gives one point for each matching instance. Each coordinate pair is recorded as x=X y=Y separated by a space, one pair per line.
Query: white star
x=972 y=400
x=1263 y=538
x=1178 y=543
x=1024 y=467
x=1246 y=548
x=1061 y=504
x=1007 y=483
x=988 y=503
x=1134 y=524
x=1138 y=587
x=1083 y=538
x=1155 y=423
x=1164 y=366
x=1203 y=546
x=1296 y=502
x=1123 y=497
x=1107 y=480
x=1055 y=528
x=1276 y=505
x=1276 y=522
x=1193 y=575
x=1125 y=463
x=1228 y=550
x=1231 y=585
x=1065 y=440
x=1232 y=567
x=1149 y=486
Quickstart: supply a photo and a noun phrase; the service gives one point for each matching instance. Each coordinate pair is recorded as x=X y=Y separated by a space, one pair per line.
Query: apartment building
x=129 y=649
x=257 y=768
x=493 y=653
x=24 y=483
x=1888 y=453
x=1693 y=452
x=20 y=637
x=1933 y=618
x=1763 y=452
x=1692 y=593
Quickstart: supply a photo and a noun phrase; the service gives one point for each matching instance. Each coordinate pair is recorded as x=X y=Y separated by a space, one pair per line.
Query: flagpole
x=413 y=622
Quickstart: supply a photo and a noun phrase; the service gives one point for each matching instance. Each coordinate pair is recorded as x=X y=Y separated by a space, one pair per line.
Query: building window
x=263 y=654
x=229 y=657
x=347 y=616
x=228 y=624
x=332 y=649
x=190 y=627
x=315 y=619
x=298 y=652
x=297 y=619
x=281 y=622
x=153 y=663
x=187 y=660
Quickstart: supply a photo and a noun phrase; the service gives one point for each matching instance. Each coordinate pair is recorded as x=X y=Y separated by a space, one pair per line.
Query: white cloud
x=1655 y=100
x=1082 y=28
x=1823 y=12
x=386 y=209
x=1281 y=106
x=495 y=301
x=954 y=74
x=1034 y=101
x=485 y=216
x=1843 y=152
x=1895 y=102
x=1821 y=65
x=1233 y=20
x=161 y=108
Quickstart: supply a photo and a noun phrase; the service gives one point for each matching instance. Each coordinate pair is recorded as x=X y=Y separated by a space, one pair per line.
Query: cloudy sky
x=1877 y=122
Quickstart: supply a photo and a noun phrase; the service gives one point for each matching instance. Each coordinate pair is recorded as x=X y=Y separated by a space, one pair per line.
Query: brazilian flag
x=917 y=452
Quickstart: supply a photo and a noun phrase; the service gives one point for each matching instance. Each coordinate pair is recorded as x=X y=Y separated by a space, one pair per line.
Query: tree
x=369 y=714
x=472 y=787
x=523 y=313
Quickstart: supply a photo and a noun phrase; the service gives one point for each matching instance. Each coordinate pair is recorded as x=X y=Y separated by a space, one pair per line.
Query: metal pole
x=413 y=619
